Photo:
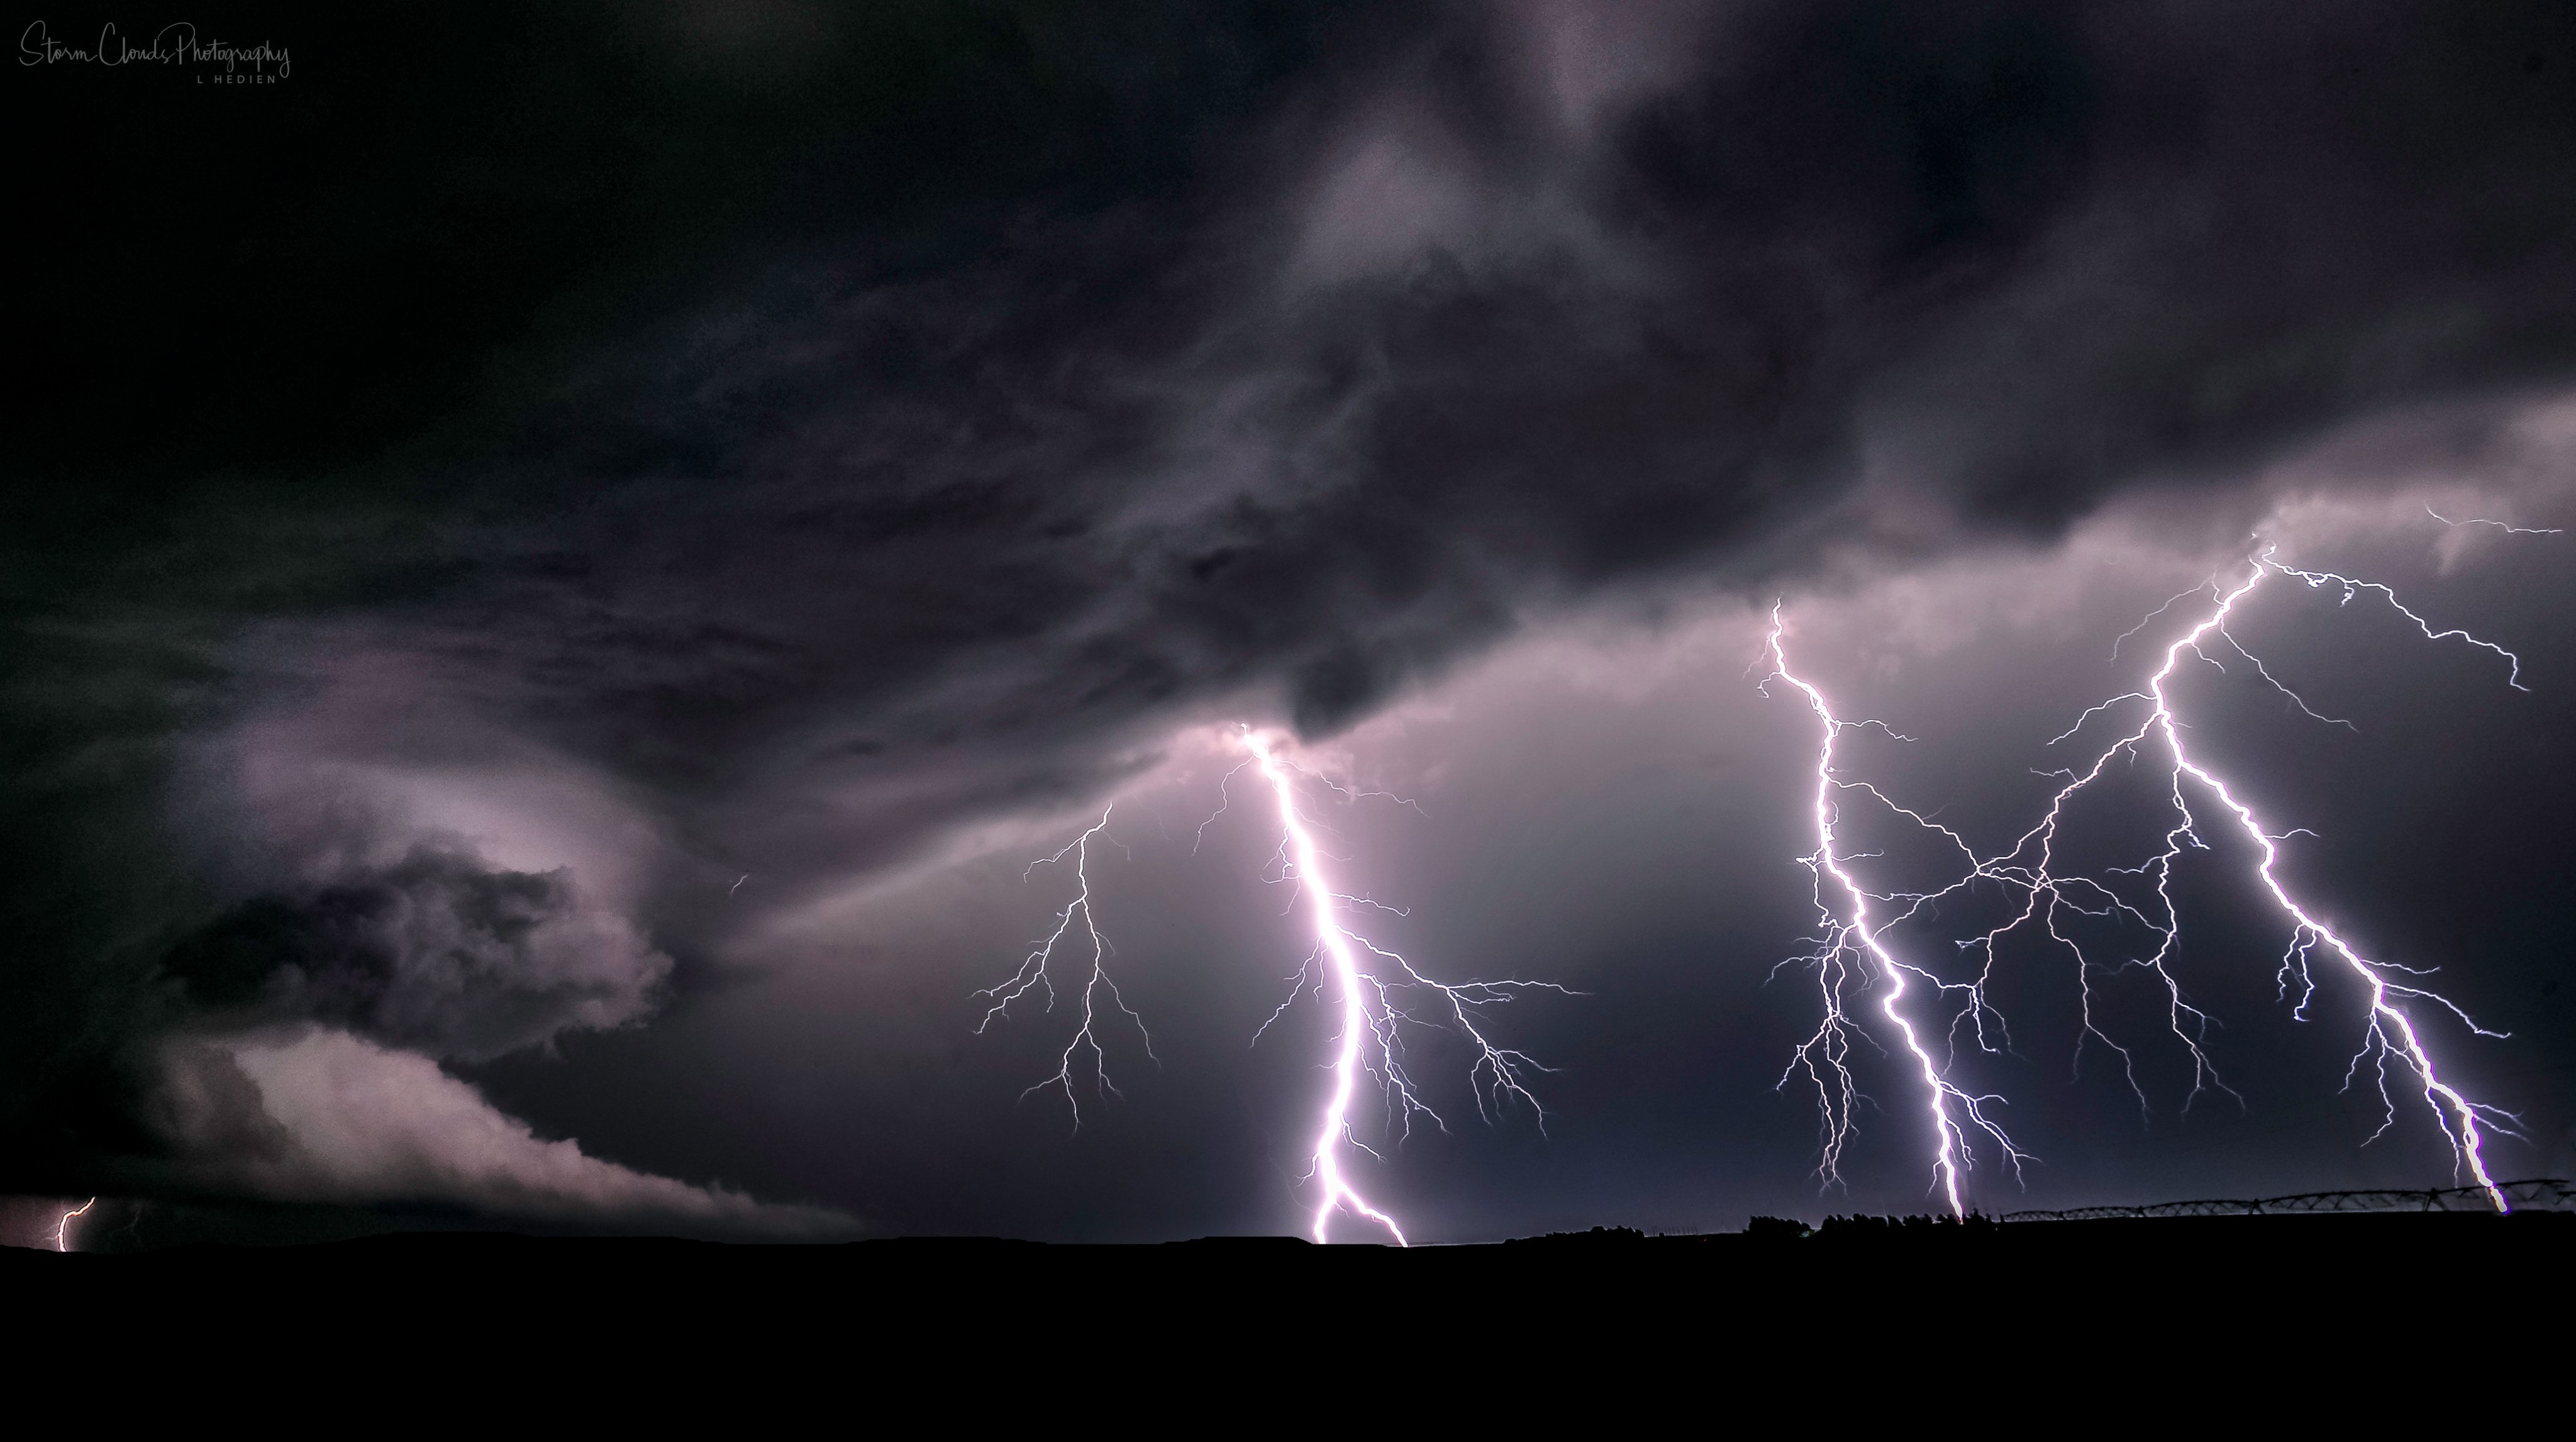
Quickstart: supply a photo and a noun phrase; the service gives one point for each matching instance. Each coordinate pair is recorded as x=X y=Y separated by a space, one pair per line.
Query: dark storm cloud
x=436 y=952
x=831 y=428
x=861 y=511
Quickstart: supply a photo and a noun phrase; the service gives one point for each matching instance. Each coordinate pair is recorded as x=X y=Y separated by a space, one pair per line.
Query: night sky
x=560 y=564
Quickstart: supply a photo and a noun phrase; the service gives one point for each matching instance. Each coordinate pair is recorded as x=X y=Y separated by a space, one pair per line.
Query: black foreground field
x=2360 y=1320
x=1615 y=1280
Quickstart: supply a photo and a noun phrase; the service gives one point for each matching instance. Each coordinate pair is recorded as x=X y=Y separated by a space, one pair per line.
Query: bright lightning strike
x=1360 y=978
x=1853 y=946
x=1851 y=953
x=63 y=1226
x=2390 y=1036
x=1345 y=969
x=1037 y=973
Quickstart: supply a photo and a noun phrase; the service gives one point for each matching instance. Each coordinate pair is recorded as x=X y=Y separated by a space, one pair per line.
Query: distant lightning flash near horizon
x=2056 y=900
x=1361 y=976
x=1036 y=974
x=63 y=1225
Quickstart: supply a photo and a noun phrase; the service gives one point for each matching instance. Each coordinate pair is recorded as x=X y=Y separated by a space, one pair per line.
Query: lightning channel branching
x=2390 y=1036
x=1036 y=973
x=63 y=1225
x=2058 y=903
x=2499 y=525
x=1851 y=953
x=1361 y=980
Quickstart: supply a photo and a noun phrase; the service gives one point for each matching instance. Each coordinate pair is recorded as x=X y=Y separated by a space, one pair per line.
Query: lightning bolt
x=1851 y=952
x=1345 y=969
x=2499 y=525
x=2390 y=1035
x=1036 y=973
x=63 y=1226
x=1349 y=972
x=2054 y=900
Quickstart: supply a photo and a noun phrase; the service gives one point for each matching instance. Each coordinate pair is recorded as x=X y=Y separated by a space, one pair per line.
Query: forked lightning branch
x=2050 y=899
x=1883 y=978
x=1372 y=993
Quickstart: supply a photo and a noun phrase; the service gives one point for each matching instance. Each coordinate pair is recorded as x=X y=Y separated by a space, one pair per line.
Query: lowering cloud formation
x=316 y=1115
x=716 y=483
